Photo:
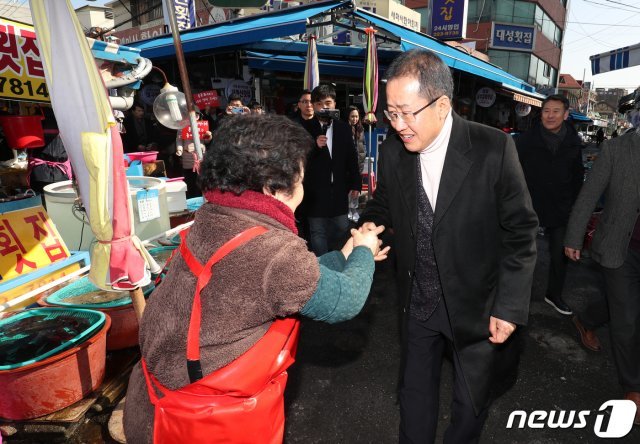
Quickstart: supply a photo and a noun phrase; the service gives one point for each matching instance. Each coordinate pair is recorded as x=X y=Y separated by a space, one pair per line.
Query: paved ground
x=343 y=387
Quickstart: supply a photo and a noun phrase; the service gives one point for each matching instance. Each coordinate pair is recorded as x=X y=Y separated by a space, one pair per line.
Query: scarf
x=553 y=140
x=254 y=201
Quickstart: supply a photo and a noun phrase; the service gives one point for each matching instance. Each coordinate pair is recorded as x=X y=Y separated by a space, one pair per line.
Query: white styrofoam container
x=176 y=196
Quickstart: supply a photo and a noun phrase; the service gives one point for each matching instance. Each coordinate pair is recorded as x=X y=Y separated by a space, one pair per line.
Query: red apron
x=242 y=402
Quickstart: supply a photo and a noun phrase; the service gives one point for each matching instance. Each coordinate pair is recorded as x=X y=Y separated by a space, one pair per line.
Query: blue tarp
x=271 y=62
x=579 y=117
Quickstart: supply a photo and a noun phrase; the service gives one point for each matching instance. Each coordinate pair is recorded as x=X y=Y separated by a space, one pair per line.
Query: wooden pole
x=137 y=298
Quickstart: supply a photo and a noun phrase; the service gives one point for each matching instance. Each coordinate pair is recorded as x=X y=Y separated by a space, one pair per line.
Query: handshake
x=367 y=236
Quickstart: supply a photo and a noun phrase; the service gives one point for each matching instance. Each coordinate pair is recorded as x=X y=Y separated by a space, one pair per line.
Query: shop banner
x=513 y=37
x=21 y=74
x=28 y=241
x=449 y=19
x=185 y=11
x=485 y=97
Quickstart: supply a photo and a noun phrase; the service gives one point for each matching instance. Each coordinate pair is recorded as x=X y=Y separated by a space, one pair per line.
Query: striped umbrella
x=370 y=92
x=87 y=127
x=311 y=71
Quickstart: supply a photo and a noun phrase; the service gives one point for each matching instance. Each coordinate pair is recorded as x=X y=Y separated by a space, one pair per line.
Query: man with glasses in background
x=331 y=175
x=305 y=108
x=454 y=194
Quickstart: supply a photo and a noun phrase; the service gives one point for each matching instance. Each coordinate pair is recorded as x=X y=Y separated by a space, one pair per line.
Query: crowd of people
x=465 y=203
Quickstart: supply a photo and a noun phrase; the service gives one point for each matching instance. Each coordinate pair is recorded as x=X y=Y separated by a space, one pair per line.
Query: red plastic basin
x=57 y=382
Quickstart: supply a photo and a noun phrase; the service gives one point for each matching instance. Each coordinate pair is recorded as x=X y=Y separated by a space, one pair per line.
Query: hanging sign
x=241 y=88
x=523 y=109
x=148 y=93
x=21 y=72
x=28 y=241
x=449 y=19
x=485 y=97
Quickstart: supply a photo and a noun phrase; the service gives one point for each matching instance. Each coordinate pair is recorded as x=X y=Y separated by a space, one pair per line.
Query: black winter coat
x=553 y=179
x=321 y=197
x=484 y=233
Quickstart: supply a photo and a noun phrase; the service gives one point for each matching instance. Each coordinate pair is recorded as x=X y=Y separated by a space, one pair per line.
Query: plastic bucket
x=23 y=131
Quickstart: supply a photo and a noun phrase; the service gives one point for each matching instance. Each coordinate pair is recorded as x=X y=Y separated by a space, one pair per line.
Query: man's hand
x=321 y=141
x=500 y=330
x=367 y=226
x=572 y=254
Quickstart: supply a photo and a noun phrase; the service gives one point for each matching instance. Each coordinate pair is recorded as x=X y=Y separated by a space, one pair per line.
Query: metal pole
x=184 y=77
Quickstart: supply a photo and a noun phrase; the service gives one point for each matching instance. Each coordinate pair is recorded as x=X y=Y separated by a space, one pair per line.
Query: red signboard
x=206 y=98
x=203 y=127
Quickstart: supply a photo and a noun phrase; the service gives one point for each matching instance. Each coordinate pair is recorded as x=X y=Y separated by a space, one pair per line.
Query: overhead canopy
x=579 y=117
x=254 y=28
x=254 y=31
x=272 y=62
x=453 y=57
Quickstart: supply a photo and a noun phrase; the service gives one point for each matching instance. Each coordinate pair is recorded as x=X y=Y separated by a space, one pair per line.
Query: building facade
x=522 y=37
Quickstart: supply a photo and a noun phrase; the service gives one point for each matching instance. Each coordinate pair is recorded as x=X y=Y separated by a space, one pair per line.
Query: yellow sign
x=28 y=241
x=21 y=72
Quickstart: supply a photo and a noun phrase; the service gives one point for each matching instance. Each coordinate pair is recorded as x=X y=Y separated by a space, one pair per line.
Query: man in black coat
x=331 y=174
x=139 y=134
x=455 y=196
x=551 y=158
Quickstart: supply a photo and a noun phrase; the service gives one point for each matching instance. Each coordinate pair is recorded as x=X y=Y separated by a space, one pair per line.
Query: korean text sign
x=449 y=19
x=28 y=241
x=513 y=37
x=21 y=72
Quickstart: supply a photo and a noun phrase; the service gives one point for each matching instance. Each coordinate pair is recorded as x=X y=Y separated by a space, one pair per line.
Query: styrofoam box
x=176 y=196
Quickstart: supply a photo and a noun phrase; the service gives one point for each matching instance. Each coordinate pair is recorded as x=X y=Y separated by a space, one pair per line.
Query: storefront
x=268 y=51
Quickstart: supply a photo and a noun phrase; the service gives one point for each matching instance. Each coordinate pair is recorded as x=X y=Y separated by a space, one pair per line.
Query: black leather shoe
x=559 y=305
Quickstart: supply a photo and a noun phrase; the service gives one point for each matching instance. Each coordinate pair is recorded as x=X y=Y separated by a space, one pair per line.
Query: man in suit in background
x=455 y=196
x=331 y=174
x=551 y=157
x=616 y=247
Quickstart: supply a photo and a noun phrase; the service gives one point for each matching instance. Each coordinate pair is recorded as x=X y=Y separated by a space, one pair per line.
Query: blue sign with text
x=449 y=19
x=513 y=37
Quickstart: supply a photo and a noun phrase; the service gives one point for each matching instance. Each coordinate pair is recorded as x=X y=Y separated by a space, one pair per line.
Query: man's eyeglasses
x=305 y=102
x=408 y=117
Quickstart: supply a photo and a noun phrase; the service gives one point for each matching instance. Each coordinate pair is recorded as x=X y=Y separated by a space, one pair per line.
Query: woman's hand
x=369 y=239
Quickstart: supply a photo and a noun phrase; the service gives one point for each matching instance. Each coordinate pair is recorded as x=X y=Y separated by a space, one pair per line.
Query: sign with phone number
x=21 y=72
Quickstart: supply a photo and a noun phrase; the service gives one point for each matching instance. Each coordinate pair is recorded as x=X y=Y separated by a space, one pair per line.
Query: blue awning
x=453 y=57
x=238 y=32
x=272 y=62
x=579 y=117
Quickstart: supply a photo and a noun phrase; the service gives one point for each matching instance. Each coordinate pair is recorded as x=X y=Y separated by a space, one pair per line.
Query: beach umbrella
x=89 y=132
x=311 y=70
x=370 y=93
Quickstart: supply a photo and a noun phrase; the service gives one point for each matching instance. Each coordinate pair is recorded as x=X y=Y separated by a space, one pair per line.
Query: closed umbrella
x=311 y=71
x=370 y=93
x=87 y=127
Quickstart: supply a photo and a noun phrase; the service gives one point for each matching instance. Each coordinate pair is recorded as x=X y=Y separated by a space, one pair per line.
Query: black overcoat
x=321 y=197
x=554 y=179
x=483 y=237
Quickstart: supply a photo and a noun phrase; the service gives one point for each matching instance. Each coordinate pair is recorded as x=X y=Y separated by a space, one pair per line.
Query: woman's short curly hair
x=251 y=152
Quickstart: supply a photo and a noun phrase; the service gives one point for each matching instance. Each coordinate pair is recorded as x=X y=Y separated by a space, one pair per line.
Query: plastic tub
x=60 y=196
x=56 y=382
x=124 y=323
x=143 y=156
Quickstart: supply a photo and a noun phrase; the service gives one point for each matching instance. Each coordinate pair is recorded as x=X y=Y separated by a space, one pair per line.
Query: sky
x=593 y=27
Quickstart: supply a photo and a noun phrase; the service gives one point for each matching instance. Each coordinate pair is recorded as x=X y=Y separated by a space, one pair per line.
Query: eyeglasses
x=305 y=102
x=407 y=117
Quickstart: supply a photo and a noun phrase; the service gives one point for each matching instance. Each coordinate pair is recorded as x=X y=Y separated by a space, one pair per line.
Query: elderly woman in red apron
x=220 y=331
